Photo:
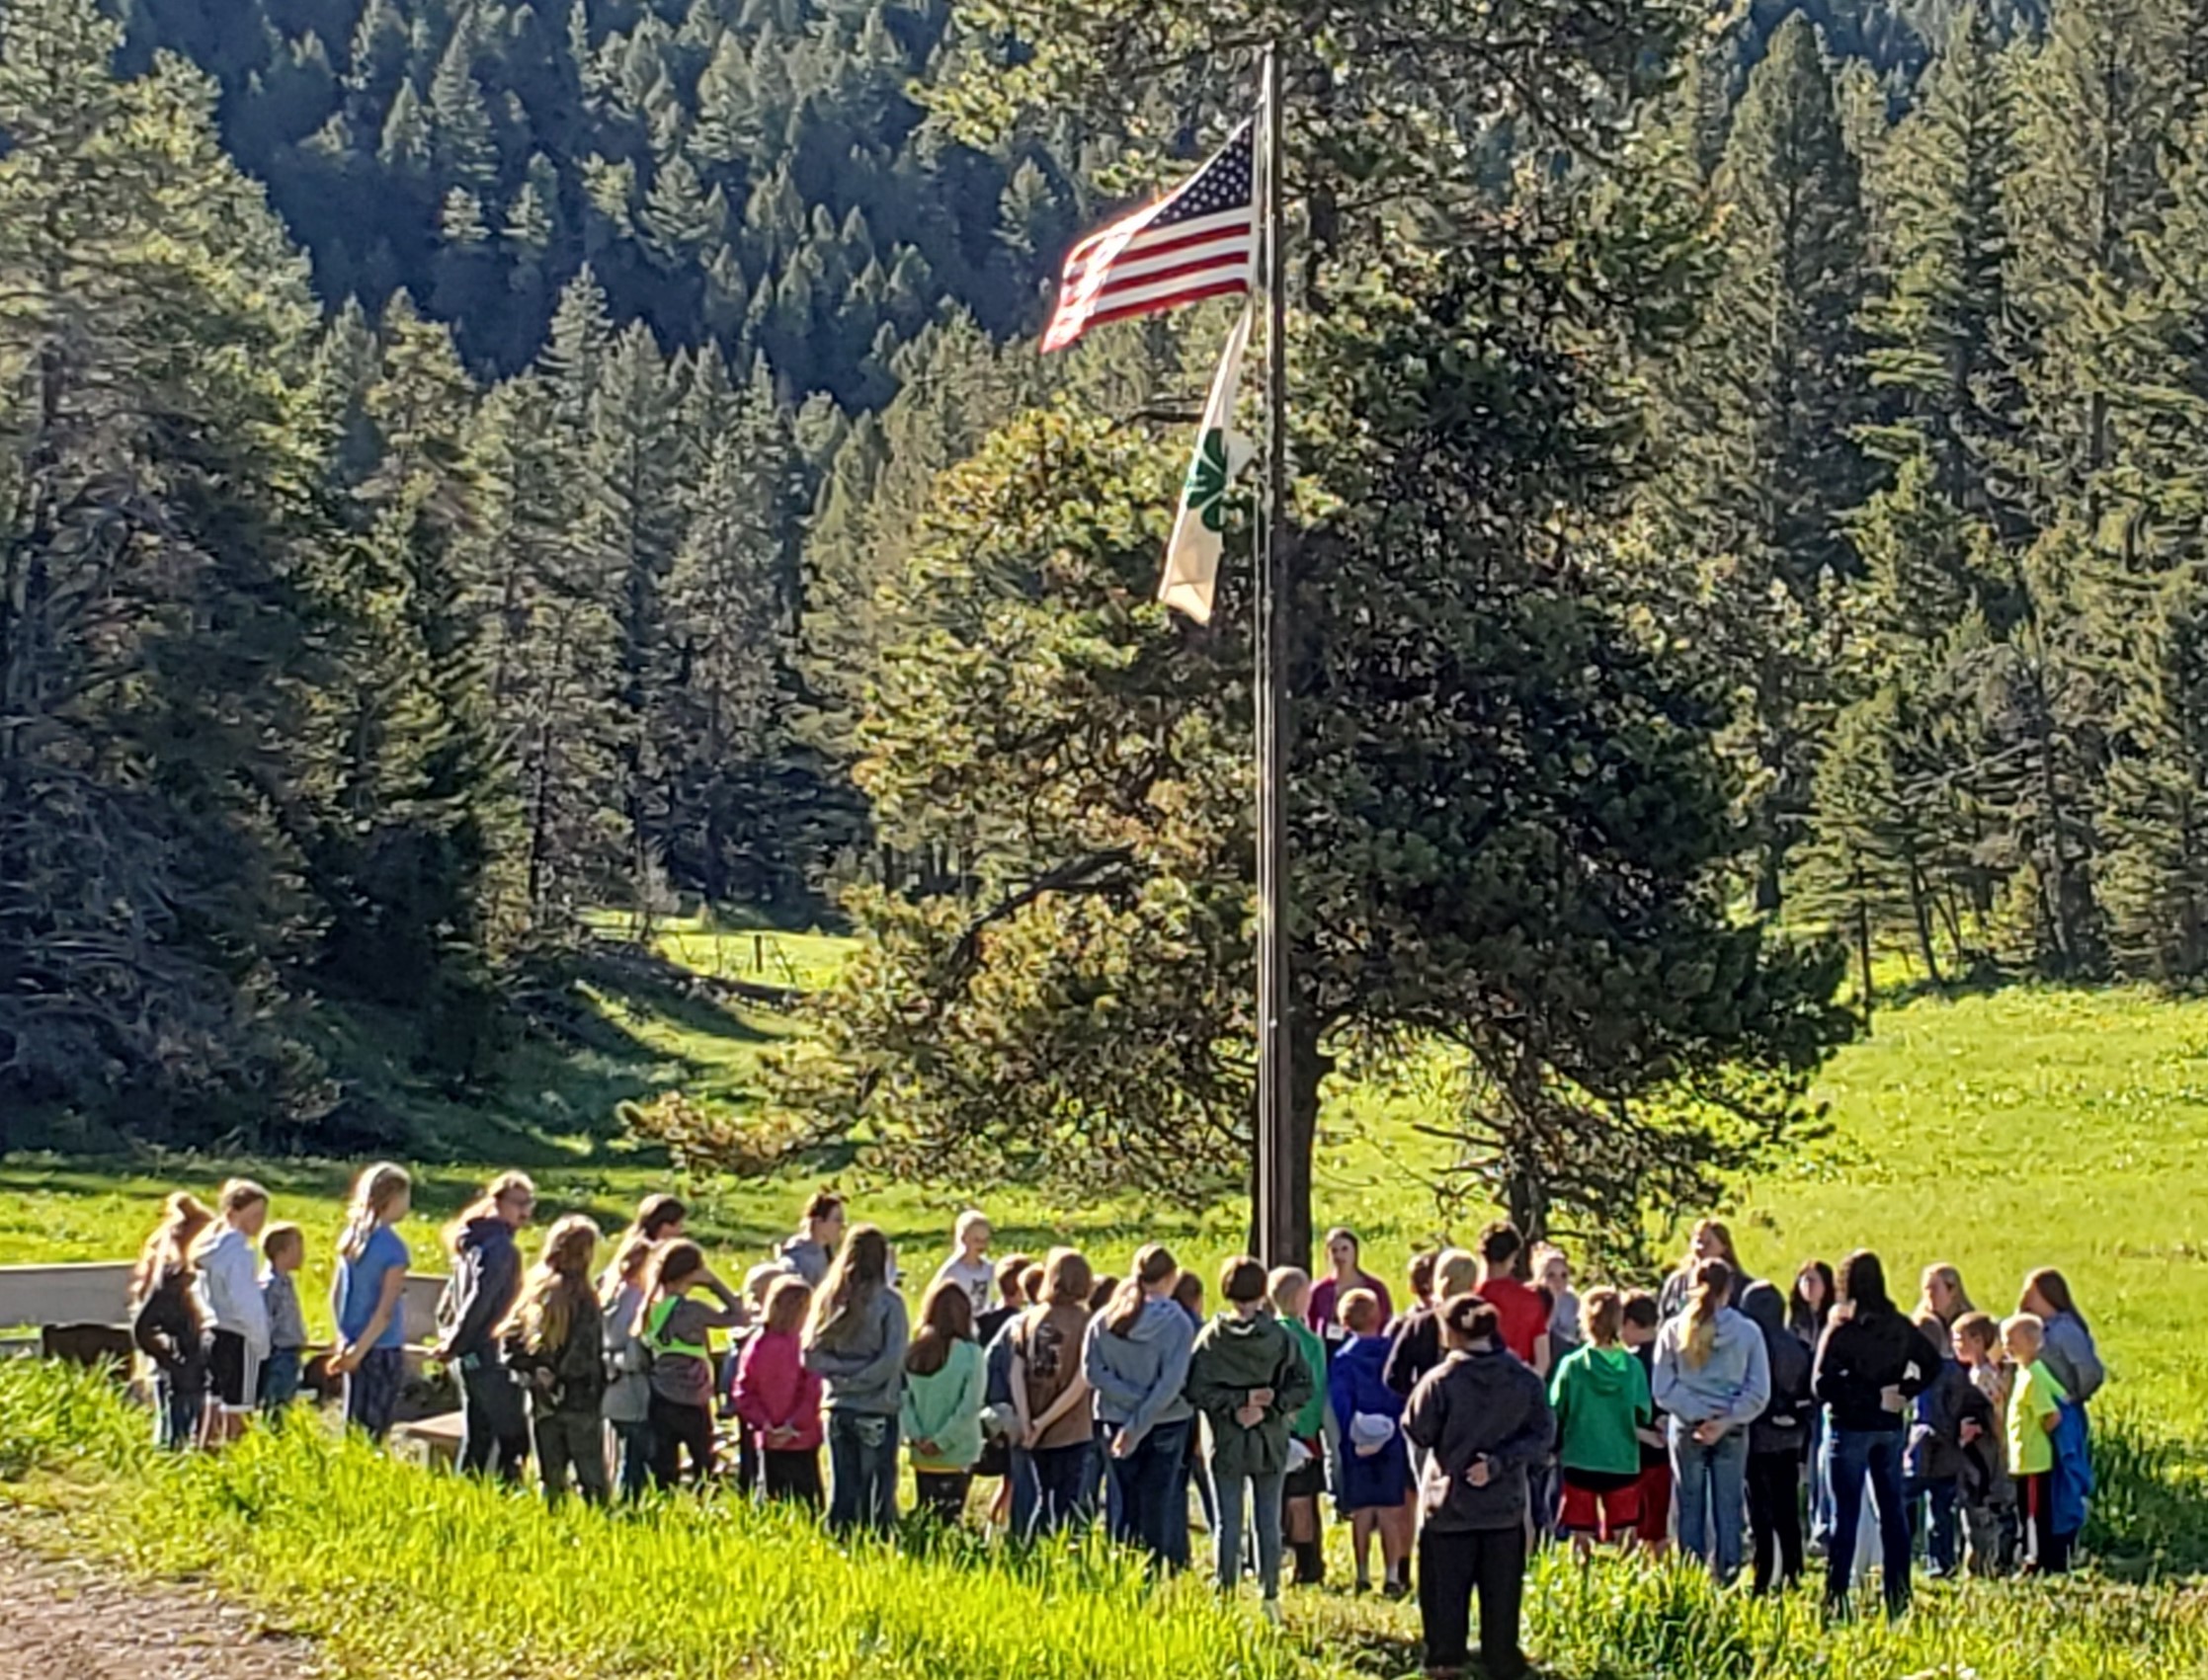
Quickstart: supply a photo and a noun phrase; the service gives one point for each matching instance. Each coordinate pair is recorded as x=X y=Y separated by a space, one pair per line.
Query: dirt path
x=65 y=1619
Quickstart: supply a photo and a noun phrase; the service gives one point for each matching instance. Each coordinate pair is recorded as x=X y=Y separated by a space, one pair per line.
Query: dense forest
x=463 y=462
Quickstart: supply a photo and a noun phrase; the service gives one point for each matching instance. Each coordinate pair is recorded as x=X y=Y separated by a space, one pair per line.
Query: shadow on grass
x=2150 y=1510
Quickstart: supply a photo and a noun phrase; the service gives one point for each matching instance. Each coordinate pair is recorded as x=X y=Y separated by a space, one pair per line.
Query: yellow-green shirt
x=2034 y=1399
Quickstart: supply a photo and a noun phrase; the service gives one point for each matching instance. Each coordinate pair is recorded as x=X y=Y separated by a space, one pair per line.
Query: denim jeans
x=1065 y=1483
x=1026 y=1493
x=1257 y=1496
x=861 y=1472
x=1855 y=1459
x=1145 y=1485
x=1712 y=1483
x=632 y=1456
x=279 y=1378
x=1934 y=1505
x=1820 y=1486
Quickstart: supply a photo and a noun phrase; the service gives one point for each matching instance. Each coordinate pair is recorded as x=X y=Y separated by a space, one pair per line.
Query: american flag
x=1199 y=241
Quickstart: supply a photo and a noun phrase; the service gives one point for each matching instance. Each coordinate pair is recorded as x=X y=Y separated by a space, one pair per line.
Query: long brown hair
x=2053 y=1288
x=373 y=1192
x=786 y=1306
x=1713 y=1286
x=860 y=1272
x=654 y=1213
x=947 y=1319
x=1718 y=1229
x=627 y=1266
x=669 y=1271
x=183 y=1217
x=1066 y=1280
x=559 y=1286
x=486 y=1205
x=1154 y=1263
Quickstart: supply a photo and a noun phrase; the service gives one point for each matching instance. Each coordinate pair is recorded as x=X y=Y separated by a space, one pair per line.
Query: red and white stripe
x=1133 y=268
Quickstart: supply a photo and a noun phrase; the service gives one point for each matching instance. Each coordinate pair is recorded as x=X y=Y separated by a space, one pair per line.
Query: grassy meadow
x=1998 y=1132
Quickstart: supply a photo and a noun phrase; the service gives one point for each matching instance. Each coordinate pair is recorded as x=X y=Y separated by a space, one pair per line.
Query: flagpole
x=1279 y=1242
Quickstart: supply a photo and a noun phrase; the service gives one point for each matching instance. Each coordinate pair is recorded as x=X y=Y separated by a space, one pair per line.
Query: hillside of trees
x=462 y=463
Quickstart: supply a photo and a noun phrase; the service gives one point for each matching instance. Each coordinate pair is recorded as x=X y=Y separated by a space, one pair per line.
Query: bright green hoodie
x=1601 y=1395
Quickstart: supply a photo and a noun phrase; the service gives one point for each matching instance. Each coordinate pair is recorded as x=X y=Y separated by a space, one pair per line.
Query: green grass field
x=1998 y=1133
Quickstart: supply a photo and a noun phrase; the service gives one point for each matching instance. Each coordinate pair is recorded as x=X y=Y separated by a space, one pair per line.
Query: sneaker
x=1270 y=1609
x=1395 y=1590
x=1363 y=1587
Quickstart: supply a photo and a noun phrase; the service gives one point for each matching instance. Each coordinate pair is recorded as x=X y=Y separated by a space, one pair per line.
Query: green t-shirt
x=2035 y=1399
x=1309 y=1423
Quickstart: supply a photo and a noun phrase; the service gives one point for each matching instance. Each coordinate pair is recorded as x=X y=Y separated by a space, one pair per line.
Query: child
x=1637 y=1327
x=479 y=1295
x=942 y=1412
x=165 y=1322
x=1250 y=1377
x=1050 y=1397
x=554 y=1343
x=855 y=1339
x=1373 y=1481
x=820 y=1232
x=283 y=1246
x=1136 y=1356
x=1989 y=1495
x=1932 y=1464
x=1291 y=1290
x=2034 y=1409
x=756 y=1282
x=629 y=1368
x=778 y=1400
x=237 y=1319
x=968 y=1265
x=1601 y=1395
x=371 y=1262
x=677 y=1337
x=1777 y=1442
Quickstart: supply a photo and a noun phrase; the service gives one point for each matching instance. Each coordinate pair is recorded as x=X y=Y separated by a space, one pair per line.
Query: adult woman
x=2070 y=1352
x=371 y=1262
x=1942 y=1295
x=1136 y=1358
x=1344 y=1273
x=855 y=1339
x=1711 y=1239
x=1870 y=1364
x=1713 y=1378
x=486 y=1282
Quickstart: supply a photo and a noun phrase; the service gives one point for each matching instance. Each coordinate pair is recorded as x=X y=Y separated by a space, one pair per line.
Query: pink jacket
x=774 y=1388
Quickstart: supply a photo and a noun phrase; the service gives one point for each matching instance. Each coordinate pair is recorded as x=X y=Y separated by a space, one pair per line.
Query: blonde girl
x=554 y=1345
x=369 y=1297
x=226 y=1261
x=166 y=1323
x=1713 y=1378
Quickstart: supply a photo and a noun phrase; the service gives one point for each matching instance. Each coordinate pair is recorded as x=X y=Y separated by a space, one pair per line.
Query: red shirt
x=1521 y=1314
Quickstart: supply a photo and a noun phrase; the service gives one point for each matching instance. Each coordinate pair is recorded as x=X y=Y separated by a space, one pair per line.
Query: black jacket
x=167 y=1329
x=1479 y=1406
x=486 y=1279
x=1859 y=1358
x=1785 y=1425
x=1416 y=1349
x=1935 y=1433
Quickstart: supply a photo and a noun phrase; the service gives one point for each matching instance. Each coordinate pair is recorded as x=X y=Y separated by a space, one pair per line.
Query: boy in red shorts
x=1601 y=1395
x=1641 y=1318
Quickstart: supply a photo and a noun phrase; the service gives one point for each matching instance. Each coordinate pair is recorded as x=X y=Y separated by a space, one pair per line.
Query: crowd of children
x=1498 y=1410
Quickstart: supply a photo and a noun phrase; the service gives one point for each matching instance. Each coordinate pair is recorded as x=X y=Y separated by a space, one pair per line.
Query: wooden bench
x=434 y=1441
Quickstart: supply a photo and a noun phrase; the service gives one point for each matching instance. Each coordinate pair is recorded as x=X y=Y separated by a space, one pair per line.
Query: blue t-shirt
x=361 y=1287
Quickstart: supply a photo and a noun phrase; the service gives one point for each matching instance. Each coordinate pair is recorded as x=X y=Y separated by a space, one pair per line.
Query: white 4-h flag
x=1200 y=533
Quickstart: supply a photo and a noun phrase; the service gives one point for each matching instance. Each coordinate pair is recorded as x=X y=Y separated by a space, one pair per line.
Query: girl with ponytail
x=1136 y=1359
x=1713 y=1378
x=677 y=1335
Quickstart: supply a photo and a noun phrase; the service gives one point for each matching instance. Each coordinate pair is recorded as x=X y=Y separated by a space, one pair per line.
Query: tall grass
x=401 y=1572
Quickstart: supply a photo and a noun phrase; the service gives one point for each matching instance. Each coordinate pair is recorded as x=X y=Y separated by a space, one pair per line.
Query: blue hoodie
x=1733 y=1386
x=1139 y=1377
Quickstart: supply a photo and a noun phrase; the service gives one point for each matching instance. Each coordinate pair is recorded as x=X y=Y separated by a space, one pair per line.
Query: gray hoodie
x=1730 y=1386
x=1140 y=1377
x=863 y=1367
x=2070 y=1354
x=804 y=1257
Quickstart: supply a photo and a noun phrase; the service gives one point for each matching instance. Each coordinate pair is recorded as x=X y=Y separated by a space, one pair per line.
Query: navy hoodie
x=486 y=1280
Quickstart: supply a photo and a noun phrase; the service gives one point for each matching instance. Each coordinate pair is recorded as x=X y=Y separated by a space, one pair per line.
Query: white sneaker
x=1270 y=1609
